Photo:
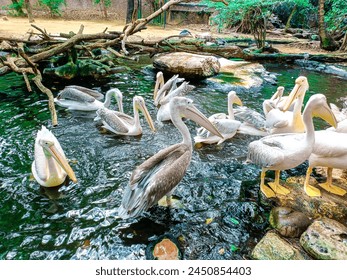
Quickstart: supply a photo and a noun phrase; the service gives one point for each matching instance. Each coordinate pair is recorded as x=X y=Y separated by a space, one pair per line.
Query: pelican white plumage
x=283 y=121
x=163 y=113
x=226 y=124
x=330 y=150
x=73 y=98
x=50 y=166
x=123 y=124
x=273 y=102
x=284 y=151
x=159 y=175
x=252 y=122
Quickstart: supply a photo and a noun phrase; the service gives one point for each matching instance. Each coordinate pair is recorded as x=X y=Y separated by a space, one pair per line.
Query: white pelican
x=74 y=99
x=330 y=150
x=161 y=89
x=284 y=151
x=226 y=124
x=122 y=124
x=274 y=101
x=163 y=113
x=159 y=175
x=50 y=166
x=283 y=121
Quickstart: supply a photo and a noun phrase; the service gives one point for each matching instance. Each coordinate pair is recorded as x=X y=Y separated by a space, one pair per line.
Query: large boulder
x=187 y=65
x=325 y=239
x=273 y=247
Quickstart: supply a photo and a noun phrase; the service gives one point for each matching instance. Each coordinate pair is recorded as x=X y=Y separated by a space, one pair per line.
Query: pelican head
x=46 y=171
x=118 y=96
x=185 y=108
x=141 y=105
x=300 y=88
x=277 y=95
x=322 y=110
x=233 y=98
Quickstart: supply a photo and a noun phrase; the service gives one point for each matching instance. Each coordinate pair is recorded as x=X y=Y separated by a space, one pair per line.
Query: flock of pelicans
x=287 y=138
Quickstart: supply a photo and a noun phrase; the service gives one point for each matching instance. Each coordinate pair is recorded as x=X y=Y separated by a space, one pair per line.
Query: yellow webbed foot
x=333 y=189
x=267 y=191
x=311 y=190
x=278 y=189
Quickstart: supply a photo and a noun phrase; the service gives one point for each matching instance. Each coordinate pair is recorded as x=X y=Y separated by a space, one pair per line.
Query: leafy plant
x=17 y=6
x=53 y=6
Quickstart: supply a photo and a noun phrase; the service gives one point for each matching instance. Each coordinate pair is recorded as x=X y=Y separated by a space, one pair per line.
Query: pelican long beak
x=62 y=162
x=158 y=84
x=324 y=112
x=278 y=94
x=237 y=101
x=148 y=117
x=301 y=86
x=195 y=115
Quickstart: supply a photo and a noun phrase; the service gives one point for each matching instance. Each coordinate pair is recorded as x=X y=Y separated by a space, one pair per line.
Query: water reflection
x=79 y=221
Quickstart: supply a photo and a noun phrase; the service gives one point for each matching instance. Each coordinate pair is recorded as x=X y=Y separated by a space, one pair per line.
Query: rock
x=287 y=222
x=187 y=65
x=314 y=37
x=328 y=205
x=321 y=67
x=5 y=18
x=325 y=239
x=273 y=247
x=245 y=74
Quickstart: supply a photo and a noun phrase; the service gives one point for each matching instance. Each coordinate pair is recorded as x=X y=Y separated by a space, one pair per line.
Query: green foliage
x=107 y=2
x=336 y=16
x=53 y=6
x=17 y=6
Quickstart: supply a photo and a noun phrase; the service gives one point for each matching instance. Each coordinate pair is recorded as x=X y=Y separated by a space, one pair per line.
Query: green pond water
x=79 y=221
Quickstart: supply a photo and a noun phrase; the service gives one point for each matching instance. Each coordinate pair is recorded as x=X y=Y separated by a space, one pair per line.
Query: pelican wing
x=112 y=122
x=250 y=116
x=154 y=178
x=71 y=93
x=265 y=153
x=97 y=95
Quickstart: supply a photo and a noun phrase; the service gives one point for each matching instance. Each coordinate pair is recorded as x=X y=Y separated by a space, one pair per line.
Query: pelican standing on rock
x=330 y=150
x=159 y=175
x=284 y=121
x=123 y=124
x=74 y=99
x=284 y=151
x=226 y=124
x=50 y=166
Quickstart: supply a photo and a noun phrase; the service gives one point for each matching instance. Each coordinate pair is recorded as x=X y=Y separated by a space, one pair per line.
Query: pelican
x=159 y=175
x=161 y=89
x=330 y=150
x=273 y=102
x=283 y=121
x=163 y=113
x=284 y=151
x=50 y=166
x=226 y=124
x=122 y=124
x=74 y=99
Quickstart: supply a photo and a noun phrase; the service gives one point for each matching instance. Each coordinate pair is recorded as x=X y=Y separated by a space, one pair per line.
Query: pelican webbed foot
x=268 y=192
x=333 y=189
x=278 y=189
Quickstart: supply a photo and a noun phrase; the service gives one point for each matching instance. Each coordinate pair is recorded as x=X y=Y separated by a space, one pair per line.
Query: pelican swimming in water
x=159 y=175
x=161 y=88
x=284 y=151
x=123 y=124
x=163 y=113
x=330 y=150
x=226 y=124
x=75 y=99
x=284 y=121
x=50 y=166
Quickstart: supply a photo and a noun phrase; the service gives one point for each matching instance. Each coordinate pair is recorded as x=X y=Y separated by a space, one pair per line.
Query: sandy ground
x=20 y=27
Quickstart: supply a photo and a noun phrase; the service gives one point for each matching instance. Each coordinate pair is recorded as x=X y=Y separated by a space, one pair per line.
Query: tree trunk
x=290 y=18
x=29 y=11
x=326 y=41
x=344 y=43
x=103 y=7
x=130 y=10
